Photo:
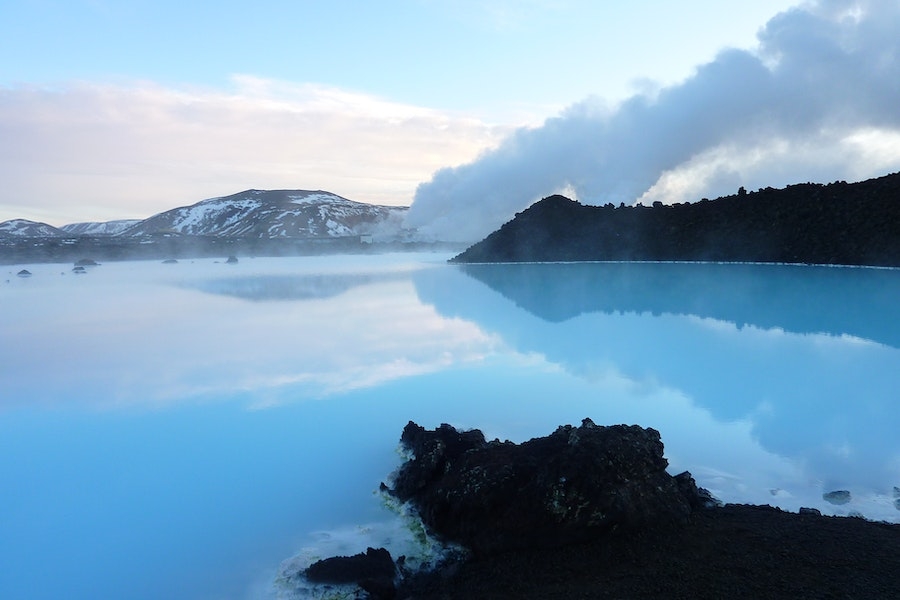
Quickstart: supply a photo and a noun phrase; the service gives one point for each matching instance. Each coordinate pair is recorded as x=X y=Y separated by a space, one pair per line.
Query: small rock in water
x=373 y=571
x=231 y=260
x=837 y=497
x=24 y=273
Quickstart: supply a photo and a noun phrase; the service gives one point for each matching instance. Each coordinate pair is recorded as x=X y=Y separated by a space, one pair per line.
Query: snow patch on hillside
x=311 y=197
x=102 y=228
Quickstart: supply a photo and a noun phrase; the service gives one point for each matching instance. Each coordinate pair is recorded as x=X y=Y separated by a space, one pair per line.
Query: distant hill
x=260 y=214
x=101 y=228
x=265 y=214
x=838 y=223
x=23 y=228
x=252 y=222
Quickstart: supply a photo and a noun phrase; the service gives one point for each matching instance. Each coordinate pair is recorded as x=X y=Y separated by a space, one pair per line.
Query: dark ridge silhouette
x=838 y=223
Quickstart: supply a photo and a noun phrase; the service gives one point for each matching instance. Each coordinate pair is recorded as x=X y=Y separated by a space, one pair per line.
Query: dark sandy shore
x=730 y=552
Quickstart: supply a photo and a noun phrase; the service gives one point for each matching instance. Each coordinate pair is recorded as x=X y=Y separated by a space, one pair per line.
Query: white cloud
x=83 y=151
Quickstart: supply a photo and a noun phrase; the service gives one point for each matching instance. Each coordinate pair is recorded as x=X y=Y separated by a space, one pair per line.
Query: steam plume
x=811 y=101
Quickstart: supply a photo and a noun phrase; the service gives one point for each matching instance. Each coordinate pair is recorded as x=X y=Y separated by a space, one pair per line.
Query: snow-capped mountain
x=23 y=228
x=277 y=214
x=105 y=228
x=259 y=214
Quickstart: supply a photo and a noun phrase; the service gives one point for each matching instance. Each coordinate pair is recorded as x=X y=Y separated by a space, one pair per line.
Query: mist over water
x=809 y=104
x=203 y=430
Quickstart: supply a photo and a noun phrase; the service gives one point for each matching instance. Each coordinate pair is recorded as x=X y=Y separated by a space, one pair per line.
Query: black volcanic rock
x=837 y=497
x=839 y=223
x=735 y=552
x=374 y=571
x=467 y=488
x=576 y=484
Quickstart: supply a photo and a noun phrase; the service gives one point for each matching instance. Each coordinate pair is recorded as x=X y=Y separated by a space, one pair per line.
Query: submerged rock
x=837 y=497
x=571 y=486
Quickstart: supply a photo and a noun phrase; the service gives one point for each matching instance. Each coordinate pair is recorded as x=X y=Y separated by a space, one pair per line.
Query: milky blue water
x=198 y=430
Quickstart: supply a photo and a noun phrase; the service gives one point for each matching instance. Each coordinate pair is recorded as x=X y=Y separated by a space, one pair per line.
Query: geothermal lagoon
x=201 y=430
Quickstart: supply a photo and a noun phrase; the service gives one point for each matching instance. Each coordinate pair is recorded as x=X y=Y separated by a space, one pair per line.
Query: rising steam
x=804 y=105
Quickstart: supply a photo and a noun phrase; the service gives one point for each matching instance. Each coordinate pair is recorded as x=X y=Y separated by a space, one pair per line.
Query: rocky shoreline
x=735 y=551
x=590 y=512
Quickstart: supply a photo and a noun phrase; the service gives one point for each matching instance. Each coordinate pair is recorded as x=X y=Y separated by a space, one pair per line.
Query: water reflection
x=286 y=330
x=756 y=346
x=798 y=299
x=263 y=288
x=178 y=430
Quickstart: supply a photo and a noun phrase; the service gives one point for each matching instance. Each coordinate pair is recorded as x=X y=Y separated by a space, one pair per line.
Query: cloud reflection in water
x=262 y=326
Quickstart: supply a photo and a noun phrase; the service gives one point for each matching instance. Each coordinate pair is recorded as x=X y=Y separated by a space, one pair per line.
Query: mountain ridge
x=267 y=214
x=249 y=223
x=99 y=227
x=251 y=213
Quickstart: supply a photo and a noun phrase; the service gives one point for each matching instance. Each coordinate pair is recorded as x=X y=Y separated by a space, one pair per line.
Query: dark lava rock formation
x=573 y=485
x=838 y=223
x=734 y=552
x=374 y=571
x=590 y=512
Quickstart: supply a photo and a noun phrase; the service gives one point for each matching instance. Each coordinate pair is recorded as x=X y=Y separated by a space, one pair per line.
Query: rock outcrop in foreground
x=573 y=485
x=589 y=512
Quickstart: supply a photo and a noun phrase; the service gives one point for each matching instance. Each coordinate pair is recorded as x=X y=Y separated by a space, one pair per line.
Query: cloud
x=824 y=82
x=83 y=151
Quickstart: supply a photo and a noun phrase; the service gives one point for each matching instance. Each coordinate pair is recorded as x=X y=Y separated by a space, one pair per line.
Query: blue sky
x=486 y=57
x=113 y=109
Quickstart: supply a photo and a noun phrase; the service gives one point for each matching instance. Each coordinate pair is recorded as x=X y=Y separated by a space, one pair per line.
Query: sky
x=469 y=111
